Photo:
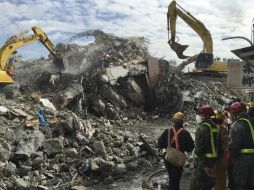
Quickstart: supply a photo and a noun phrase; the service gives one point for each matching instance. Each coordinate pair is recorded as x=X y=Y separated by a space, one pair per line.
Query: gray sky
x=61 y=19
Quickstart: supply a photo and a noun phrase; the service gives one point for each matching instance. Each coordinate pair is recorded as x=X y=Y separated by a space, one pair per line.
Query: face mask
x=199 y=119
x=229 y=121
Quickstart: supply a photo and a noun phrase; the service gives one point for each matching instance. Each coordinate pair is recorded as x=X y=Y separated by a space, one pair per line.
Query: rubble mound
x=91 y=110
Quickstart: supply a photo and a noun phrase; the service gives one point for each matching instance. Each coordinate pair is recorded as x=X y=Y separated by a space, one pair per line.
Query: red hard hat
x=204 y=110
x=237 y=107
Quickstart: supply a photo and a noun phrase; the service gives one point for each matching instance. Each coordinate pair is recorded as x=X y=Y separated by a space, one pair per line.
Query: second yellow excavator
x=17 y=41
x=203 y=61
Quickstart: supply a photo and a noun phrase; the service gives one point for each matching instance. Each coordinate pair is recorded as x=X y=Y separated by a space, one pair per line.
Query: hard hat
x=179 y=116
x=205 y=110
x=237 y=107
x=217 y=115
x=251 y=104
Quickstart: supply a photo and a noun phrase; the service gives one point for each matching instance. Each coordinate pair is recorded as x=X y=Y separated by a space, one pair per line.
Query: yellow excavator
x=203 y=61
x=17 y=41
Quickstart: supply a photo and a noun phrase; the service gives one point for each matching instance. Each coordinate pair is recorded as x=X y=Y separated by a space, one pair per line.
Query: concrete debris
x=111 y=93
x=53 y=146
x=46 y=103
x=3 y=110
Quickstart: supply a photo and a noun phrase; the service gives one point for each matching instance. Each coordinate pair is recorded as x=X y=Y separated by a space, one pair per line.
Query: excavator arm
x=205 y=58
x=17 y=41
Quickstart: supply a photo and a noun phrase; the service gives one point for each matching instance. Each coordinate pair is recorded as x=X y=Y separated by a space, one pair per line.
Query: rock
x=9 y=184
x=125 y=119
x=3 y=110
x=71 y=152
x=10 y=169
x=132 y=166
x=37 y=154
x=41 y=187
x=108 y=180
x=16 y=120
x=135 y=151
x=130 y=146
x=98 y=164
x=99 y=148
x=8 y=134
x=24 y=150
x=79 y=187
x=119 y=169
x=5 y=150
x=98 y=106
x=38 y=161
x=155 y=117
x=133 y=92
x=21 y=184
x=117 y=151
x=25 y=170
x=73 y=91
x=112 y=96
x=11 y=92
x=53 y=146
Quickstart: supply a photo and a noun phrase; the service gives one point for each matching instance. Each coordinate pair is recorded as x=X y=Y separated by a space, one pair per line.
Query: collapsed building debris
x=111 y=86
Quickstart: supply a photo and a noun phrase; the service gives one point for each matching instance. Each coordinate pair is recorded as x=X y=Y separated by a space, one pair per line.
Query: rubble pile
x=58 y=130
x=69 y=151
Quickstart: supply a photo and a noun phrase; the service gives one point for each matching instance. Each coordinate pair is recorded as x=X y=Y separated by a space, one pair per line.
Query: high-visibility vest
x=248 y=150
x=212 y=130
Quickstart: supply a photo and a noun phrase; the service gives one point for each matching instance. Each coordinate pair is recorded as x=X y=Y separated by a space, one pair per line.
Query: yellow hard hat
x=179 y=116
x=217 y=114
x=251 y=104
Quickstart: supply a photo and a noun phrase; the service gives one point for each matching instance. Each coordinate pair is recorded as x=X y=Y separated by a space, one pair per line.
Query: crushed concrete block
x=53 y=146
x=119 y=169
x=99 y=148
x=71 y=152
x=10 y=169
x=21 y=184
x=3 y=110
x=5 y=150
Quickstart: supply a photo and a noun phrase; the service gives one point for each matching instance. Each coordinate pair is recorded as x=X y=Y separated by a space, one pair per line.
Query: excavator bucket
x=179 y=49
x=5 y=78
x=204 y=60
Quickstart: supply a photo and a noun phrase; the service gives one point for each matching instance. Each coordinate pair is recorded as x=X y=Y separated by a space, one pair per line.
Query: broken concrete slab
x=53 y=146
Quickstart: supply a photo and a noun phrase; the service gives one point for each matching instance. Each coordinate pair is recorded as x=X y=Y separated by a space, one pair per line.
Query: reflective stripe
x=175 y=137
x=247 y=150
x=212 y=130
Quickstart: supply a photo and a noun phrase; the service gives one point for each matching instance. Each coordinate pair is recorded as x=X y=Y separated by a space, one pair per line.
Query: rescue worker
x=242 y=147
x=181 y=140
x=251 y=109
x=222 y=163
x=207 y=150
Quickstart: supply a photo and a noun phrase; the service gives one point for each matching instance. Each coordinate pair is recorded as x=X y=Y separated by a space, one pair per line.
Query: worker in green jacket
x=207 y=150
x=242 y=147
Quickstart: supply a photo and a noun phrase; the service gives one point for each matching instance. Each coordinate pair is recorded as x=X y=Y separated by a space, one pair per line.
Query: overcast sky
x=61 y=19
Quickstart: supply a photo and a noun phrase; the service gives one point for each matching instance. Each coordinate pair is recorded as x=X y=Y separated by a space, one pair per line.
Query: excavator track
x=206 y=75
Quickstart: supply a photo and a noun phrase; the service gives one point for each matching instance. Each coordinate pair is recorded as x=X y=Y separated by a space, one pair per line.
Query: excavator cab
x=204 y=60
x=17 y=41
